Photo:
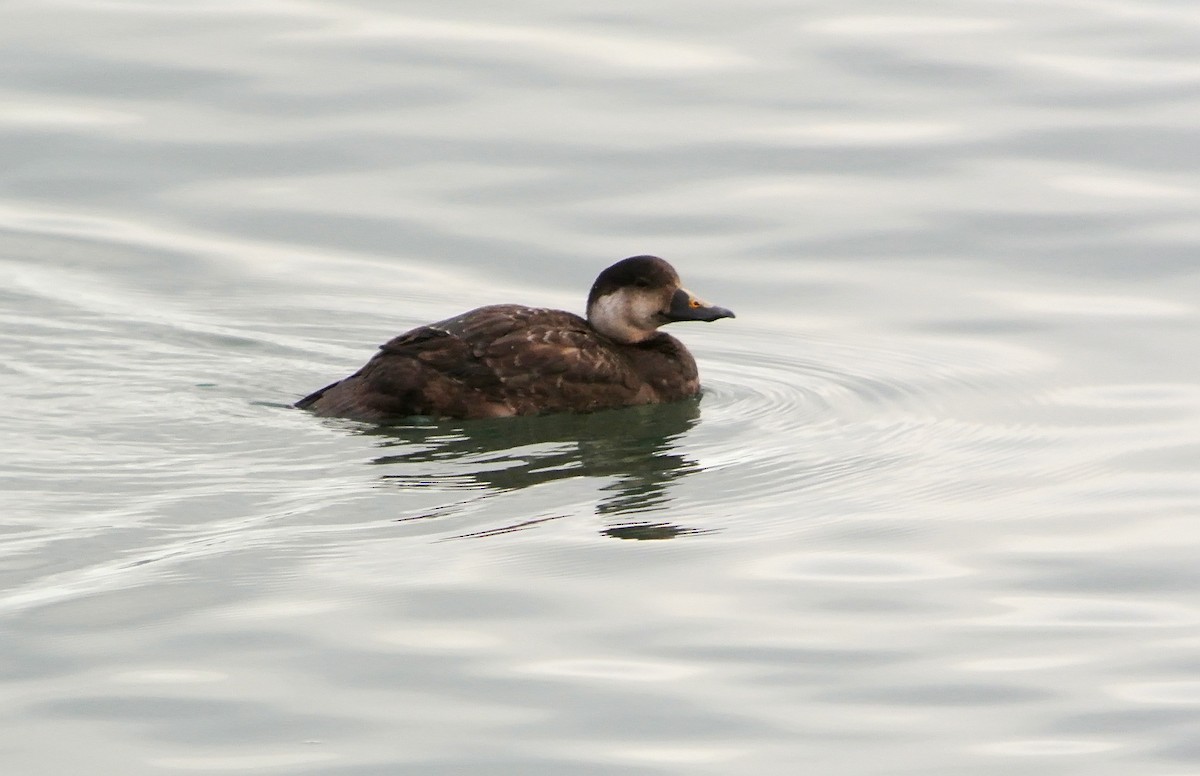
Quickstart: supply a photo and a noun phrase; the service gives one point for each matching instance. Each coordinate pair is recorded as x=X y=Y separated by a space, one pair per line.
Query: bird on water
x=509 y=359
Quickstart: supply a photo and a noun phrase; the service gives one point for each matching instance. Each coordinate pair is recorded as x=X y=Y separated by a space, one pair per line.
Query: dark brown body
x=508 y=360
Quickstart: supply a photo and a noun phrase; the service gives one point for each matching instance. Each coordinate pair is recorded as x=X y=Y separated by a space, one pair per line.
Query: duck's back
x=507 y=360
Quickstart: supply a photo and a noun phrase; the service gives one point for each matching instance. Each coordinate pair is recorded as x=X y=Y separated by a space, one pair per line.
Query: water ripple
x=1078 y=612
x=871 y=568
x=826 y=414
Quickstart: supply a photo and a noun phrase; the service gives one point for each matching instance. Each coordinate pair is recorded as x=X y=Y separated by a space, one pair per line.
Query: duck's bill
x=686 y=307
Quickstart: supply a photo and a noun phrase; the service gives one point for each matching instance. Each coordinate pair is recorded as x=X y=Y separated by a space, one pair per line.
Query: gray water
x=934 y=513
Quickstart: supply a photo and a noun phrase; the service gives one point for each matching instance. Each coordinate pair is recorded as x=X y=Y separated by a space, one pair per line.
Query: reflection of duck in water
x=637 y=450
x=637 y=446
x=513 y=360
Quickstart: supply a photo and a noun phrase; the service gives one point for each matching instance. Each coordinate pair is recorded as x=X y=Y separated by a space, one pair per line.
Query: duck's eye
x=642 y=282
x=694 y=303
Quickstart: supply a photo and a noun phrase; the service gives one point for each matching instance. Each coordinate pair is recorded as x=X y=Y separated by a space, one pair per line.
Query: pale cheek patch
x=625 y=317
x=607 y=310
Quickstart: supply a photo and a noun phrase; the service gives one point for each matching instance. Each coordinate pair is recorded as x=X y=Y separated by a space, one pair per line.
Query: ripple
x=248 y=762
x=610 y=669
x=1048 y=747
x=1125 y=69
x=61 y=116
x=170 y=676
x=858 y=134
x=831 y=415
x=903 y=26
x=1176 y=693
x=1097 y=305
x=561 y=43
x=1112 y=186
x=439 y=639
x=873 y=568
x=1131 y=396
x=834 y=379
x=690 y=753
x=1031 y=663
x=1064 y=612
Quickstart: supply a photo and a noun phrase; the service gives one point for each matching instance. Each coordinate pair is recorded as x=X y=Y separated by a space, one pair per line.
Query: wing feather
x=497 y=360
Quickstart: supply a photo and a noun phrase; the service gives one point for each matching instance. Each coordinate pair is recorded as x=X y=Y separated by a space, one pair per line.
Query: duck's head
x=633 y=297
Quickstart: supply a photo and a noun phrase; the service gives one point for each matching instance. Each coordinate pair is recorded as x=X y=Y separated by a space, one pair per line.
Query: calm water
x=936 y=511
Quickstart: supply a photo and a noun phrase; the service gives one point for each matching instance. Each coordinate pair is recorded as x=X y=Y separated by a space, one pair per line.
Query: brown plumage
x=513 y=360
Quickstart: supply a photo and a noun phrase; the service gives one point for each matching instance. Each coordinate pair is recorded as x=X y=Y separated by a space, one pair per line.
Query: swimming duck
x=510 y=359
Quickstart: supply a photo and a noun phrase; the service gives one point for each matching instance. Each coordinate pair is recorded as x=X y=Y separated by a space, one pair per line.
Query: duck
x=506 y=359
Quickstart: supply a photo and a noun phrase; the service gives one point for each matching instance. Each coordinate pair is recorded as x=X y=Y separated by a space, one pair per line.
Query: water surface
x=934 y=511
